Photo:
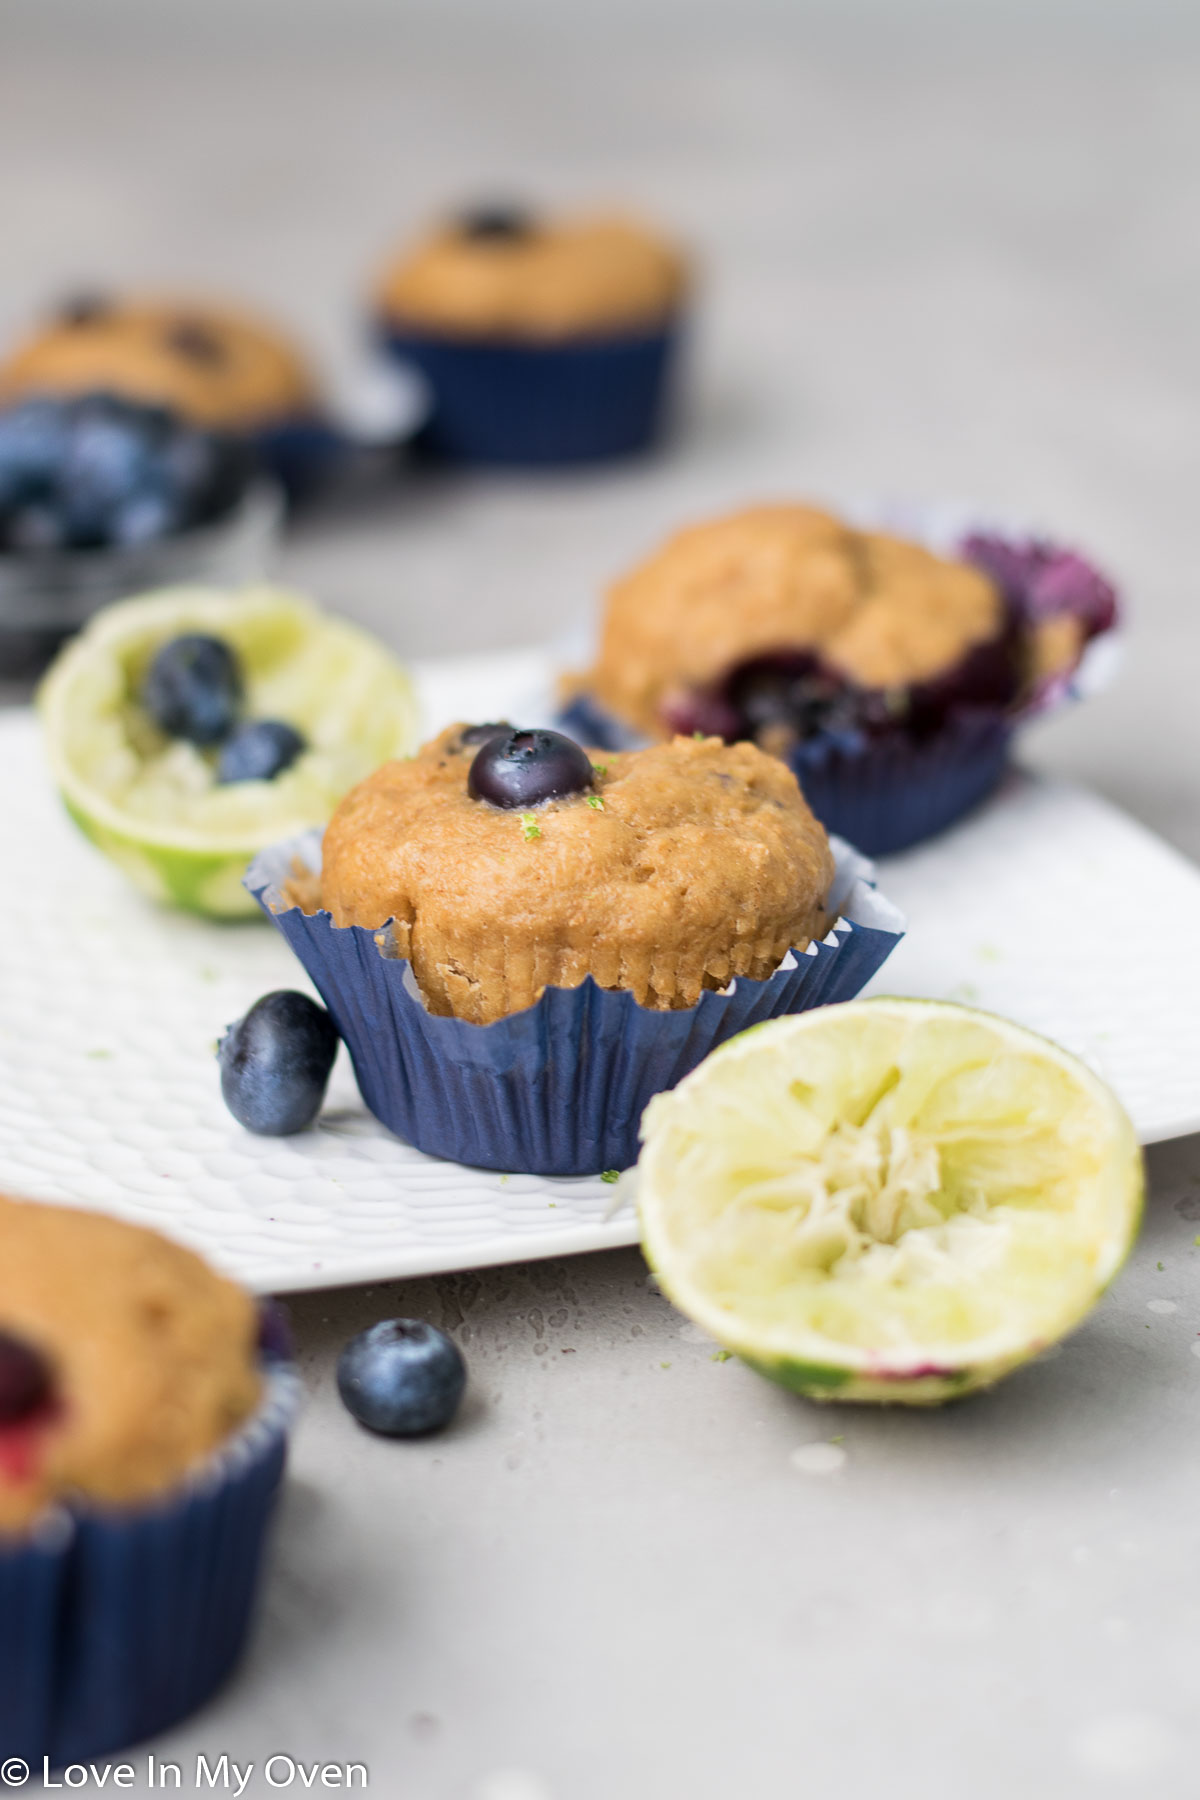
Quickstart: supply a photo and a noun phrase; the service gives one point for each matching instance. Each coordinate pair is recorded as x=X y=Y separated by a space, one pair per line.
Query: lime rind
x=152 y=805
x=888 y=1200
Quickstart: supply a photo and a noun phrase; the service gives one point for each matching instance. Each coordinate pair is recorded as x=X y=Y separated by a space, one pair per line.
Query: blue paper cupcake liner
x=587 y=400
x=114 y=1625
x=302 y=453
x=558 y=1089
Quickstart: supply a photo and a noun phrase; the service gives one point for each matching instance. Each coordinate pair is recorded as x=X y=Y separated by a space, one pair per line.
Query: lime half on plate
x=151 y=802
x=894 y=1200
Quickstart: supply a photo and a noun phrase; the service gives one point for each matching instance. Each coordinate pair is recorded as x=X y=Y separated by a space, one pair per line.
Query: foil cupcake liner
x=587 y=400
x=887 y=793
x=558 y=1089
x=113 y=1625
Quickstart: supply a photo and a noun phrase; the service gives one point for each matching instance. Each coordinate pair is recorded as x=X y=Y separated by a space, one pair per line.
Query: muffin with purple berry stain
x=890 y=676
x=144 y=1406
x=520 y=940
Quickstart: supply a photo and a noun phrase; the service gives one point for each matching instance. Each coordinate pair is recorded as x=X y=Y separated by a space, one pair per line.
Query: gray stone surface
x=941 y=256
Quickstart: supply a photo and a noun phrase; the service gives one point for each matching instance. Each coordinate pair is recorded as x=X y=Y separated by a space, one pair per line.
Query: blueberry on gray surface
x=25 y=1379
x=525 y=768
x=275 y=1063
x=402 y=1378
x=258 y=750
x=497 y=223
x=193 y=688
x=85 y=472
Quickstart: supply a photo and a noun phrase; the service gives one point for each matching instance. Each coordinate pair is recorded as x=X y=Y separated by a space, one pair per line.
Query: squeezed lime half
x=888 y=1200
x=151 y=803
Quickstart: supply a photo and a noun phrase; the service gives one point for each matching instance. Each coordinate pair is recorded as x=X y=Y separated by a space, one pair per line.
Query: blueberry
x=32 y=439
x=25 y=1380
x=196 y=341
x=193 y=688
x=87 y=307
x=275 y=1063
x=106 y=460
x=497 y=223
x=523 y=768
x=259 y=750
x=402 y=1378
x=145 y=519
x=483 y=734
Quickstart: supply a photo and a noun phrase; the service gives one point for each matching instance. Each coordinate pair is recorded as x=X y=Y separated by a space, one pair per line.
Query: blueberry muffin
x=521 y=941
x=214 y=363
x=523 y=864
x=218 y=365
x=888 y=675
x=142 y=1438
x=543 y=340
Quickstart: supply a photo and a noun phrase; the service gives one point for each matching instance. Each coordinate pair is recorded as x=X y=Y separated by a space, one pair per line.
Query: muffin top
x=216 y=364
x=124 y=1360
x=669 y=871
x=501 y=274
x=877 y=611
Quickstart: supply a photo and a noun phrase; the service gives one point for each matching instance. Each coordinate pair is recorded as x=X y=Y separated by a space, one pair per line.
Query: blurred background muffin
x=215 y=363
x=543 y=339
x=143 y=1418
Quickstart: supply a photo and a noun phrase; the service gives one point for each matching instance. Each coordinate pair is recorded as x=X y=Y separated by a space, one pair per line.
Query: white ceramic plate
x=1048 y=905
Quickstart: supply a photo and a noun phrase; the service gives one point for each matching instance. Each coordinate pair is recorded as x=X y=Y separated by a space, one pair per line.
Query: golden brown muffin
x=682 y=866
x=217 y=364
x=551 y=279
x=878 y=611
x=151 y=1359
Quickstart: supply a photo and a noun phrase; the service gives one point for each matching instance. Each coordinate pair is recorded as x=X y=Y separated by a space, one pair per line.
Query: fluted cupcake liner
x=583 y=400
x=558 y=1089
x=115 y=1624
x=889 y=791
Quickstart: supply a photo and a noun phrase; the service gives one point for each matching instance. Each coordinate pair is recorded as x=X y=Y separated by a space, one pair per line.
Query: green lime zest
x=530 y=828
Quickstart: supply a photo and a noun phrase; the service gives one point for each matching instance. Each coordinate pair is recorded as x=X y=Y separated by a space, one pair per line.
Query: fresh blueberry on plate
x=402 y=1378
x=193 y=688
x=258 y=750
x=275 y=1063
x=525 y=768
x=25 y=1379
